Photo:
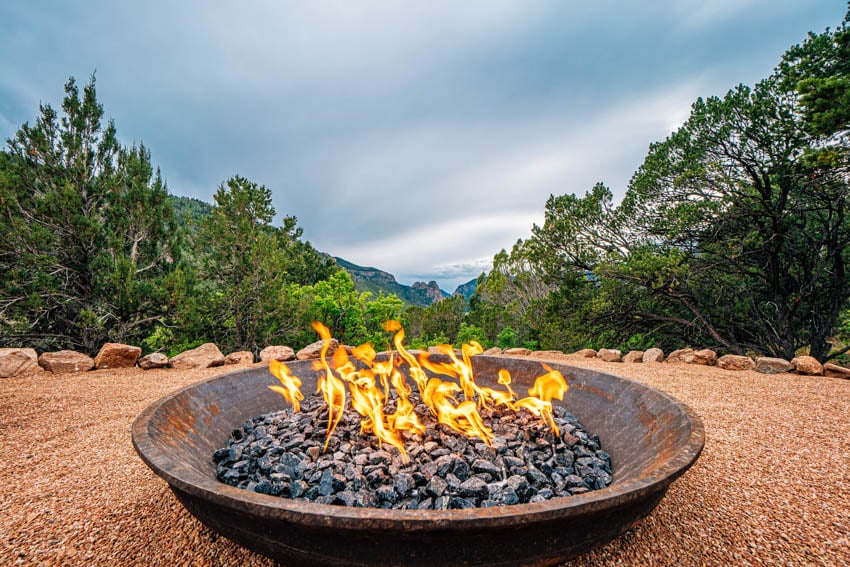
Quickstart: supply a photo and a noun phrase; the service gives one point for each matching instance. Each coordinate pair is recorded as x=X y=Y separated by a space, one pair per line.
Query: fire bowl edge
x=652 y=439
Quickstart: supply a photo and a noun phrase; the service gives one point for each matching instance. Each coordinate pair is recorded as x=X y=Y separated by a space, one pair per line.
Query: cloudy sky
x=417 y=137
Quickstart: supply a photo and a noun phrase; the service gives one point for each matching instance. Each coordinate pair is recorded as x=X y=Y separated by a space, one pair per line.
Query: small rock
x=279 y=353
x=836 y=371
x=436 y=486
x=117 y=355
x=633 y=356
x=736 y=362
x=474 y=488
x=239 y=357
x=682 y=355
x=153 y=360
x=314 y=350
x=17 y=361
x=508 y=495
x=653 y=355
x=585 y=353
x=442 y=503
x=609 y=355
x=807 y=365
x=65 y=361
x=453 y=482
x=520 y=485
x=480 y=465
x=705 y=357
x=403 y=484
x=461 y=469
x=457 y=503
x=205 y=356
x=769 y=365
x=387 y=494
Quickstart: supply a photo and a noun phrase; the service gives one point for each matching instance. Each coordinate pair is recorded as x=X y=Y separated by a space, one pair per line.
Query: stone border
x=805 y=365
x=22 y=361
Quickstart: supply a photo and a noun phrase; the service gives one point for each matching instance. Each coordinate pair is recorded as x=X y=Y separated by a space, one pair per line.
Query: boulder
x=242 y=357
x=314 y=350
x=17 y=361
x=836 y=371
x=275 y=352
x=735 y=362
x=633 y=356
x=653 y=355
x=117 y=355
x=585 y=353
x=609 y=355
x=493 y=351
x=683 y=355
x=706 y=357
x=807 y=365
x=204 y=356
x=153 y=360
x=65 y=361
x=770 y=365
x=517 y=351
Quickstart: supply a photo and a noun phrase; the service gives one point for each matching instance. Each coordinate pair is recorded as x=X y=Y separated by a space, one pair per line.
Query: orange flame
x=550 y=385
x=439 y=395
x=331 y=387
x=290 y=385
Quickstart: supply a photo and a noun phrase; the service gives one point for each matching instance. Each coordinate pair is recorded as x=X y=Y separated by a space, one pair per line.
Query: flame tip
x=439 y=395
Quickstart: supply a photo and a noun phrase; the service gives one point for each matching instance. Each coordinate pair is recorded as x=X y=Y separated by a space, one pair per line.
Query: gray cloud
x=418 y=138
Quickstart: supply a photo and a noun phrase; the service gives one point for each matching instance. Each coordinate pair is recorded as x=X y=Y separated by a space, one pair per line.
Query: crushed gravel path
x=771 y=487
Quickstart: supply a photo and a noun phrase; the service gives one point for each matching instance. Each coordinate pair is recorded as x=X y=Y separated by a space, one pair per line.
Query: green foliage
x=819 y=70
x=87 y=231
x=733 y=233
x=469 y=333
x=507 y=338
x=514 y=294
x=441 y=320
x=189 y=212
x=247 y=267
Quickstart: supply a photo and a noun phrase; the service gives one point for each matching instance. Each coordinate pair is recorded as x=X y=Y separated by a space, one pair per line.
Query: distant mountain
x=189 y=210
x=467 y=289
x=375 y=281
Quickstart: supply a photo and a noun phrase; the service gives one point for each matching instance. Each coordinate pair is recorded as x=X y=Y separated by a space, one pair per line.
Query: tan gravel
x=772 y=485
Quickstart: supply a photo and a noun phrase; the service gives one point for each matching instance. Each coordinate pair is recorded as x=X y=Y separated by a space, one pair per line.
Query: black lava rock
x=283 y=454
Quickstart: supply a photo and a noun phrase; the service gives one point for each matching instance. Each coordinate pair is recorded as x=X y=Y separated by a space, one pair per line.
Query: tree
x=729 y=233
x=513 y=294
x=819 y=70
x=141 y=242
x=84 y=231
x=247 y=260
x=443 y=318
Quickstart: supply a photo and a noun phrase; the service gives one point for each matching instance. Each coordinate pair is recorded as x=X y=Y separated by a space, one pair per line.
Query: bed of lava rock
x=281 y=454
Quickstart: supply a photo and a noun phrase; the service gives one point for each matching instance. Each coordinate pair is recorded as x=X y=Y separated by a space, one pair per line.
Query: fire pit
x=652 y=440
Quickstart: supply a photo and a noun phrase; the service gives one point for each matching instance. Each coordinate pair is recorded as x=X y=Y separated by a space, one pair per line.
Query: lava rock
x=283 y=454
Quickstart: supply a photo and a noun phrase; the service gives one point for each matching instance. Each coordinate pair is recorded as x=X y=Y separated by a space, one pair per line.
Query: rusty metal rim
x=188 y=480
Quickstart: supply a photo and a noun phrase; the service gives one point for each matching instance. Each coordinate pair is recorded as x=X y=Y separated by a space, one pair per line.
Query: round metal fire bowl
x=651 y=438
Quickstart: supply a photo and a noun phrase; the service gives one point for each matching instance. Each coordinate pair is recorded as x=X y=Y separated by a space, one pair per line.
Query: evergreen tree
x=85 y=229
x=251 y=266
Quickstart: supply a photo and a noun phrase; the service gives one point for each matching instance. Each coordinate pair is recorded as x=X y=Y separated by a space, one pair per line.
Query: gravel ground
x=771 y=487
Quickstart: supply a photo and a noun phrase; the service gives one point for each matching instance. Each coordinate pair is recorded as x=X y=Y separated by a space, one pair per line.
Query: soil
x=770 y=487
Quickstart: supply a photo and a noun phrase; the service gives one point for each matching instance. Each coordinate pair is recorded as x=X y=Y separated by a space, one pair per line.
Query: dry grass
x=772 y=485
